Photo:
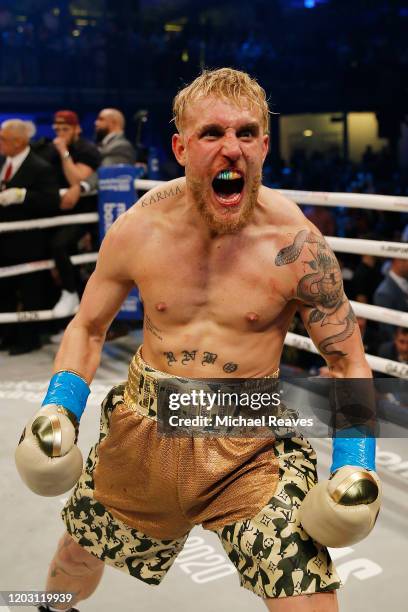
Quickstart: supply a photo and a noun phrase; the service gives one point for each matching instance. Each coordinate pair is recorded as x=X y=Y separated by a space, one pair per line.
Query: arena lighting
x=310 y=3
x=173 y=27
x=307 y=133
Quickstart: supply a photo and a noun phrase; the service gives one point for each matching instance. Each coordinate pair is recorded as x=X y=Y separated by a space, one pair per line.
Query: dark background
x=311 y=56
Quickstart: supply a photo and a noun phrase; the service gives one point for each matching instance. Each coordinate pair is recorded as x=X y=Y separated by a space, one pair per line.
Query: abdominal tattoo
x=151 y=327
x=321 y=289
x=163 y=194
x=206 y=358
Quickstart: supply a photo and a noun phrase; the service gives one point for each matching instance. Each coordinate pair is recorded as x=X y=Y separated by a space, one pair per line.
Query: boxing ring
x=373 y=570
x=343 y=245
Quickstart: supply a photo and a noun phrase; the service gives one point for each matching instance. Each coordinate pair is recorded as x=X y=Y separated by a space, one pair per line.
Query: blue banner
x=116 y=194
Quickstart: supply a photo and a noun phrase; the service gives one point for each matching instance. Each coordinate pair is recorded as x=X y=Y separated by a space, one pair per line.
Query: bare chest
x=231 y=285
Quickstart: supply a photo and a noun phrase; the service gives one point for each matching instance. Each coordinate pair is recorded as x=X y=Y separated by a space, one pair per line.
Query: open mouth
x=228 y=186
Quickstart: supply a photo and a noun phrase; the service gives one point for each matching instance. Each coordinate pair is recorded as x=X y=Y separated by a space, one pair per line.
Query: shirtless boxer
x=222 y=264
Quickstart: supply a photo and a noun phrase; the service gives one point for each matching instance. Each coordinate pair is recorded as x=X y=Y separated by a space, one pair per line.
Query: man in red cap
x=75 y=159
x=79 y=157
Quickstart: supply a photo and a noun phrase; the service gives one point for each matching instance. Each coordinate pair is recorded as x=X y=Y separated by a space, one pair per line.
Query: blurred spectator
x=397 y=348
x=29 y=190
x=366 y=278
x=75 y=159
x=393 y=291
x=78 y=157
x=322 y=218
x=113 y=147
x=371 y=337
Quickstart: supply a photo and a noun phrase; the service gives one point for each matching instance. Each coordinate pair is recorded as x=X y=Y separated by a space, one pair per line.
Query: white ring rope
x=29 y=316
x=368 y=311
x=385 y=366
x=345 y=245
x=379 y=364
x=45 y=264
x=13 y=226
x=358 y=246
x=318 y=198
x=368 y=201
x=380 y=314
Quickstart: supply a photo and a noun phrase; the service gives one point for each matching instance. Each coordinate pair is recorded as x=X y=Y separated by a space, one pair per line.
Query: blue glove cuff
x=68 y=389
x=349 y=448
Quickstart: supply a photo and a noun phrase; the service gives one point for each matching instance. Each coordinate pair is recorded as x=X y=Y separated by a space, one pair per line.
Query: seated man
x=75 y=159
x=29 y=190
x=222 y=263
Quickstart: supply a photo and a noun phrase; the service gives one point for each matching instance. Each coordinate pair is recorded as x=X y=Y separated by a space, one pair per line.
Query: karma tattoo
x=163 y=194
x=321 y=289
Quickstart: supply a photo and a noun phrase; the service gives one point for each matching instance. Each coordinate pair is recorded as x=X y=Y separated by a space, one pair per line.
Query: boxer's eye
x=211 y=133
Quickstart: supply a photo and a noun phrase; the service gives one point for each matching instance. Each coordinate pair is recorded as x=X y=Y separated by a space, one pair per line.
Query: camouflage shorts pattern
x=273 y=555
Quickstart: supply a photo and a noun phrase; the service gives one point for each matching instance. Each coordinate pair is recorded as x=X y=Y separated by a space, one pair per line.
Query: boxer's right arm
x=47 y=458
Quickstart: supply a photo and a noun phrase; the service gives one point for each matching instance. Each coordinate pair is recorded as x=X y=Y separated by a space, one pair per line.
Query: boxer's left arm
x=342 y=510
x=47 y=457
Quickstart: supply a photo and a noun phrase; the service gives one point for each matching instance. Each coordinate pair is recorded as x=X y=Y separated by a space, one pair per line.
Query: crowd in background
x=52 y=47
x=366 y=278
x=43 y=179
x=307 y=60
x=70 y=161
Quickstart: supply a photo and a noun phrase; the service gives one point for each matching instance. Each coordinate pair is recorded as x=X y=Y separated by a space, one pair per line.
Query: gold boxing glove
x=343 y=510
x=47 y=458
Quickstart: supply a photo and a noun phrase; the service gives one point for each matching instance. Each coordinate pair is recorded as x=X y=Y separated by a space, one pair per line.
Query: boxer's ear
x=179 y=149
x=266 y=143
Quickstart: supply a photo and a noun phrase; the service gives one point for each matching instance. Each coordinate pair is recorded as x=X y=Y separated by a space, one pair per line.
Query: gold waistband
x=142 y=387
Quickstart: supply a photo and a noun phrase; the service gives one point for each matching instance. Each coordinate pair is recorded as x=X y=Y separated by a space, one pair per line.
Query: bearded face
x=223 y=148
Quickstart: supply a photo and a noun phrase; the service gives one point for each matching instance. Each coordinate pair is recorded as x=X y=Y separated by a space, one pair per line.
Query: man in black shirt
x=74 y=159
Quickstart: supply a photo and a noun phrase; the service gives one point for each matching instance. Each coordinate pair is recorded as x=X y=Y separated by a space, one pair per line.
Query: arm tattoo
x=321 y=289
x=163 y=194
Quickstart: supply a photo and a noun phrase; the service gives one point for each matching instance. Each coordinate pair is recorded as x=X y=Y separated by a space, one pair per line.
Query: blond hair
x=235 y=86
